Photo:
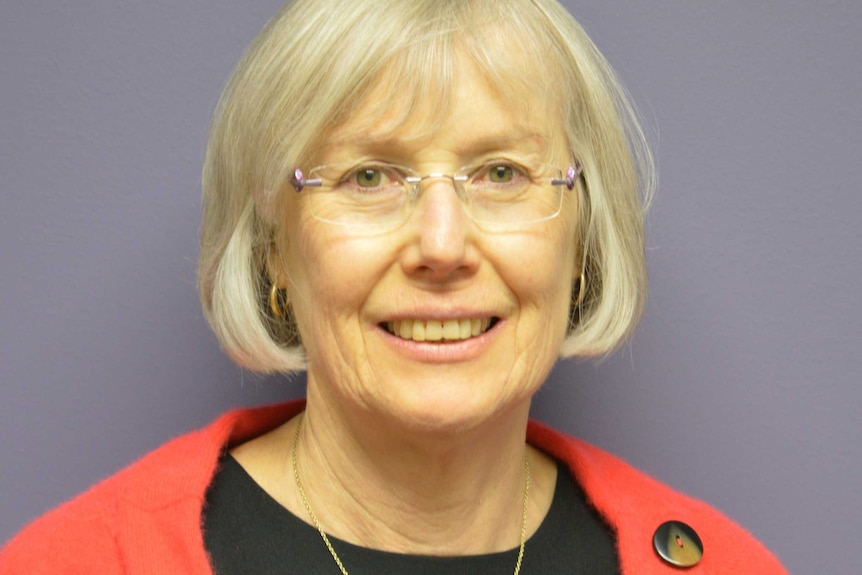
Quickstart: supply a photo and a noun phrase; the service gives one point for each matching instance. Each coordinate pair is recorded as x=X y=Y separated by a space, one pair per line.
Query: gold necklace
x=332 y=549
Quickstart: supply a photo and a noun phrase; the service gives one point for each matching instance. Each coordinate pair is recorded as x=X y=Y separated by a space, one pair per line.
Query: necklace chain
x=329 y=544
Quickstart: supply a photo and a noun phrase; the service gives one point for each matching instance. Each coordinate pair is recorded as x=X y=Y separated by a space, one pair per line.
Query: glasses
x=379 y=197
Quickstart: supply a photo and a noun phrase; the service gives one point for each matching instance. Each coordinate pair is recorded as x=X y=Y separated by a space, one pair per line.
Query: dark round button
x=678 y=544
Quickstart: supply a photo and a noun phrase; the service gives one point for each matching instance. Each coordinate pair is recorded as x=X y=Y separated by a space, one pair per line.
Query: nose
x=442 y=234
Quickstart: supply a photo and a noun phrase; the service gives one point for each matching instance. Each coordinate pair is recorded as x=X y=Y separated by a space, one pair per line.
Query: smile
x=435 y=330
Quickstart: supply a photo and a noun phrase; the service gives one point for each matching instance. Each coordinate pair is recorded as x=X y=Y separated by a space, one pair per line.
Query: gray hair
x=307 y=70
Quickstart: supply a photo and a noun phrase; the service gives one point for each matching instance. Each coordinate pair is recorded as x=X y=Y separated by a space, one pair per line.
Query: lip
x=444 y=351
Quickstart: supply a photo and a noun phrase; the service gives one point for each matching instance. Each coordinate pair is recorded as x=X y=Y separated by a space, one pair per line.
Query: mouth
x=439 y=330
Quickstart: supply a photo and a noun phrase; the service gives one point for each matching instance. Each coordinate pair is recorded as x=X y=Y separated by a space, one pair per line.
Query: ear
x=274 y=265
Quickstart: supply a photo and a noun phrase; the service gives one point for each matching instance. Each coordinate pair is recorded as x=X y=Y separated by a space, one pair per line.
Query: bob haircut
x=307 y=70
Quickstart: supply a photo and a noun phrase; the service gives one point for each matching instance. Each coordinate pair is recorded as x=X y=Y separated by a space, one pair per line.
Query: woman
x=423 y=204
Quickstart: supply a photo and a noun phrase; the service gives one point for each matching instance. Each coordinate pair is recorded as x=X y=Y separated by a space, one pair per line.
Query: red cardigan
x=147 y=518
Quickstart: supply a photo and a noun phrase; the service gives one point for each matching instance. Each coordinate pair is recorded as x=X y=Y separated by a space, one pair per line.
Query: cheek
x=541 y=275
x=540 y=268
x=332 y=274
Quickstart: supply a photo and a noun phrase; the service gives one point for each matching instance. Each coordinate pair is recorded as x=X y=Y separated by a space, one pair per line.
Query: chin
x=447 y=408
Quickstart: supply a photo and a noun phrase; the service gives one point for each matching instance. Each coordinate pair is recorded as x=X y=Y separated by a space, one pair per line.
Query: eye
x=501 y=174
x=368 y=177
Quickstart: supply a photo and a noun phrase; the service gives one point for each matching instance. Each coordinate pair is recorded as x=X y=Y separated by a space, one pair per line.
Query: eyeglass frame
x=574 y=171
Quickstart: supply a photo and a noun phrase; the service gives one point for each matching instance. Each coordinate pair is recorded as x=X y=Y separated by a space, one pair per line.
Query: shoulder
x=635 y=505
x=65 y=540
x=154 y=504
x=87 y=534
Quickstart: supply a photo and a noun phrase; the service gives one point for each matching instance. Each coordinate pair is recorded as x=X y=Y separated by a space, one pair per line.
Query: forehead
x=473 y=109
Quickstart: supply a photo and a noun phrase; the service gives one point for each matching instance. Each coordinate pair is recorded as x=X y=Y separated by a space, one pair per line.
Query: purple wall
x=741 y=386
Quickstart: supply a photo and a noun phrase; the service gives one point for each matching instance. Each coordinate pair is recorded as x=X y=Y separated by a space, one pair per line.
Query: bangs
x=413 y=87
x=415 y=84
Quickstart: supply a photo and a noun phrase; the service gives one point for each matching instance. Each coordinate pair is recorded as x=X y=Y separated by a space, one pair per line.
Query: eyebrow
x=389 y=144
x=533 y=141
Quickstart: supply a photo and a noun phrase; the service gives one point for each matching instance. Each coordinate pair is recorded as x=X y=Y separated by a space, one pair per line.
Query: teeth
x=451 y=330
x=418 y=331
x=464 y=328
x=405 y=330
x=476 y=326
x=435 y=330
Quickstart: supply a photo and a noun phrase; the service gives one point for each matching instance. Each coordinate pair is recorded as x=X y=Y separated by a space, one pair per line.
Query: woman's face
x=438 y=270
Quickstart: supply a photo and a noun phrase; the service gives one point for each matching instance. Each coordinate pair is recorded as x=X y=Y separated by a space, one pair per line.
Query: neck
x=374 y=483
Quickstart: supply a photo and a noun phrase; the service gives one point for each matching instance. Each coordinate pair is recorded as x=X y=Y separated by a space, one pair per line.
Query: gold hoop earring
x=279 y=310
x=582 y=291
